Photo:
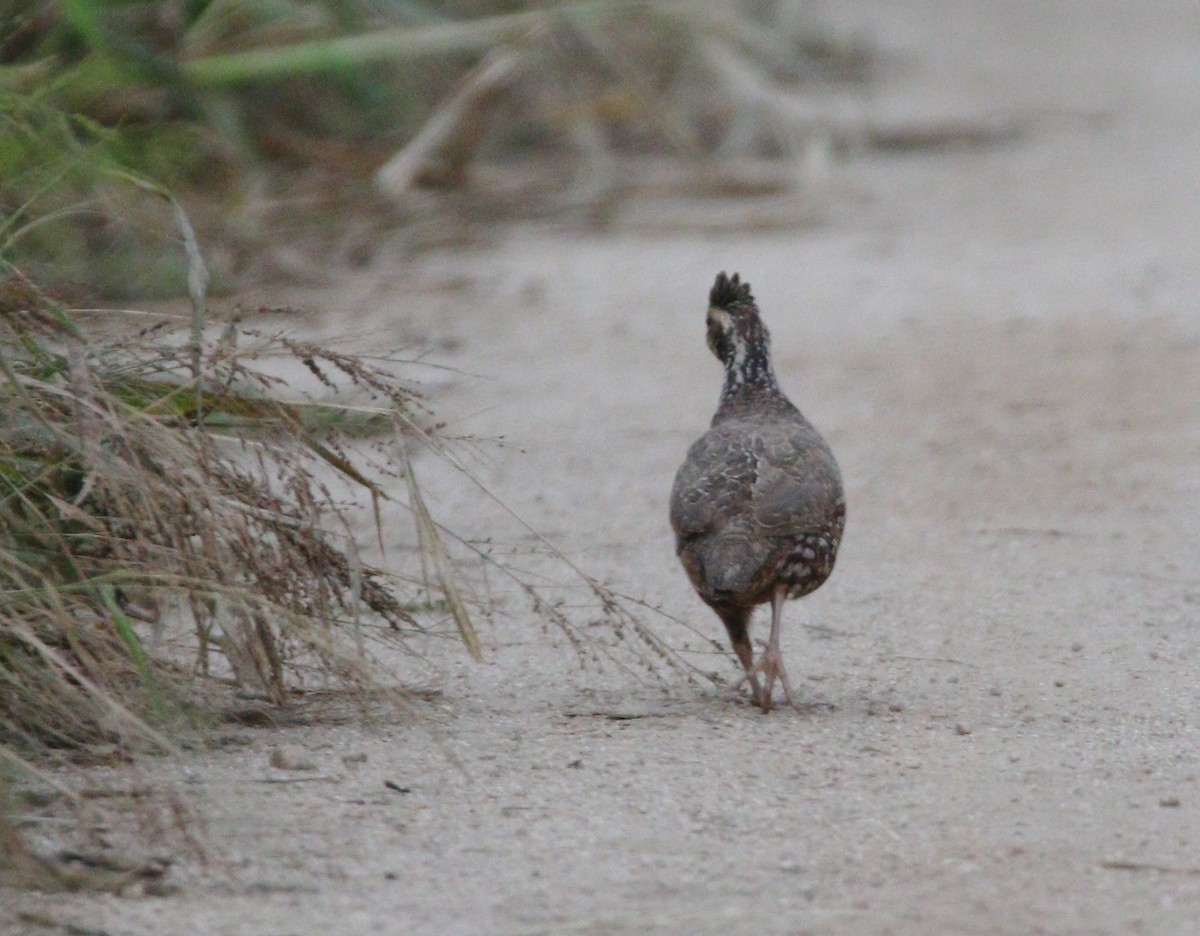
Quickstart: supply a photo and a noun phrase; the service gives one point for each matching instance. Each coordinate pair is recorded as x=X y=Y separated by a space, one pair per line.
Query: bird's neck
x=748 y=373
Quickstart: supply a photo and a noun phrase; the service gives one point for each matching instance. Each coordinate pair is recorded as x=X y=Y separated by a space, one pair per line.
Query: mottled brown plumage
x=757 y=506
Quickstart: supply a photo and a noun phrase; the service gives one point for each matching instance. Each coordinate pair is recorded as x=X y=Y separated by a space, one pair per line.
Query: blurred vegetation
x=89 y=85
x=270 y=118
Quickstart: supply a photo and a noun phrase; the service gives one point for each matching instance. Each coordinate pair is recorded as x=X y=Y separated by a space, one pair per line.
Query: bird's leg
x=737 y=621
x=771 y=661
x=746 y=656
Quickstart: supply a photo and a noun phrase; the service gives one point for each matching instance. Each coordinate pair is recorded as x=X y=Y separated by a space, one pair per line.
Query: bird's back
x=757 y=501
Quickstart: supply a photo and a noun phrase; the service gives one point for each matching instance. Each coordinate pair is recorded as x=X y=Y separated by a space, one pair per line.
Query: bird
x=757 y=507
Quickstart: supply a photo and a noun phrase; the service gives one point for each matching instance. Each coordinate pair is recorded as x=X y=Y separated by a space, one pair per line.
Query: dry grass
x=133 y=491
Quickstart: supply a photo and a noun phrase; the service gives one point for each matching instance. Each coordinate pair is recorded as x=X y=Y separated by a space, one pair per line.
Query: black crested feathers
x=727 y=292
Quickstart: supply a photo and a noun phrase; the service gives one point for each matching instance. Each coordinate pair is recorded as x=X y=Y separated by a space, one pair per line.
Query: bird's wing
x=796 y=482
x=712 y=485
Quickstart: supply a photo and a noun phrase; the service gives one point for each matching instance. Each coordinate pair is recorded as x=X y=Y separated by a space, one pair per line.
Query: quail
x=757 y=506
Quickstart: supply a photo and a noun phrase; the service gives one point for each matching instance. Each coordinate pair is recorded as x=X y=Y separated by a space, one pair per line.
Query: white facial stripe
x=721 y=317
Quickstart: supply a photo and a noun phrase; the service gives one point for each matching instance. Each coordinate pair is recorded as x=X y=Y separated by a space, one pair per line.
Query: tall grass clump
x=176 y=523
x=144 y=481
x=156 y=478
x=179 y=532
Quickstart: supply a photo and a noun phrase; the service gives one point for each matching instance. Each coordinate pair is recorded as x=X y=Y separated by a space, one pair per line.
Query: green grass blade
x=319 y=55
x=124 y=627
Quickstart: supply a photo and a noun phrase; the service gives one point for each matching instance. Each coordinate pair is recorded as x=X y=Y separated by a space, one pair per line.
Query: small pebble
x=1076 y=647
x=1170 y=802
x=962 y=730
x=1059 y=683
x=292 y=757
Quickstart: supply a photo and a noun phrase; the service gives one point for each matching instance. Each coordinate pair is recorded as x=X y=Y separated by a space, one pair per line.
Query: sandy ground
x=1003 y=349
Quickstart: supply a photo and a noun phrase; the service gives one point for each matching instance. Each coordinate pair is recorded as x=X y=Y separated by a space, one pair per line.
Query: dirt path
x=1003 y=348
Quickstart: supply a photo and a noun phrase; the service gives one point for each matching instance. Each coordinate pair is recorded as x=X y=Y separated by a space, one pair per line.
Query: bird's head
x=735 y=332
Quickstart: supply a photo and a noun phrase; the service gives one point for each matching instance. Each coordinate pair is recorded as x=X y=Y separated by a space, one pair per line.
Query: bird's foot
x=770 y=664
x=756 y=689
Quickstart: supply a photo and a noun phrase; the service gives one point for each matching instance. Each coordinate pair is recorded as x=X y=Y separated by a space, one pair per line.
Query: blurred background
x=295 y=131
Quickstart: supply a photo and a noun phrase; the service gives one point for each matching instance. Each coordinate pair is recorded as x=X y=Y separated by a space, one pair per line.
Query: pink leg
x=746 y=656
x=771 y=661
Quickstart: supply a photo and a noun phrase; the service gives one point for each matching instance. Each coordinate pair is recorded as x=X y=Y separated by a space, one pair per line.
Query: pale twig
x=454 y=130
